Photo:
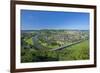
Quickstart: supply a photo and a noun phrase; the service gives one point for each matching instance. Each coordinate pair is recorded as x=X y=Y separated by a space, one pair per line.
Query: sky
x=37 y=20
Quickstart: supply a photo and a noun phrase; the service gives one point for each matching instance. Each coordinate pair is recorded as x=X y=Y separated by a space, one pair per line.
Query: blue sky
x=36 y=20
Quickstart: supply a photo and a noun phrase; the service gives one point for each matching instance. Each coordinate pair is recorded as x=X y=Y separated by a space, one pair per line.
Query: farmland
x=54 y=45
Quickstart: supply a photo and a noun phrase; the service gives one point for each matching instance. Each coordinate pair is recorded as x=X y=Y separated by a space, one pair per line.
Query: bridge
x=62 y=47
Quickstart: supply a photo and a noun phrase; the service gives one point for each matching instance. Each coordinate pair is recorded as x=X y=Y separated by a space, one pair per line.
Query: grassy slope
x=76 y=52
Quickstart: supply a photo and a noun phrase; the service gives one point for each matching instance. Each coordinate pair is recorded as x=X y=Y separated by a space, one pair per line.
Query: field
x=54 y=45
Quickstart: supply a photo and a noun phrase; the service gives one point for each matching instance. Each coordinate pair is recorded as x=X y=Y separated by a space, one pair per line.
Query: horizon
x=54 y=29
x=39 y=20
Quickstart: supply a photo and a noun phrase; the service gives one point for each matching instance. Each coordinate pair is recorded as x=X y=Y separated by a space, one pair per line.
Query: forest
x=54 y=45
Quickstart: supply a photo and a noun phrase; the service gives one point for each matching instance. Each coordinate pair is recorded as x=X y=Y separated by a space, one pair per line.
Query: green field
x=76 y=52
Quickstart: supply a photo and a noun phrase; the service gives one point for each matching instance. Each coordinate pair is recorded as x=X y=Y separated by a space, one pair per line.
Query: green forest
x=54 y=45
